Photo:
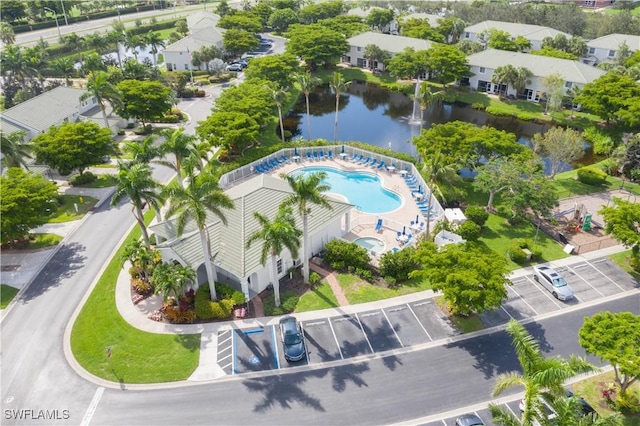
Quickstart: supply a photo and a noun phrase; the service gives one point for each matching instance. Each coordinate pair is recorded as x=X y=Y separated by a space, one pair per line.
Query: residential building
x=233 y=262
x=606 y=48
x=575 y=74
x=202 y=20
x=52 y=108
x=390 y=43
x=177 y=56
x=534 y=33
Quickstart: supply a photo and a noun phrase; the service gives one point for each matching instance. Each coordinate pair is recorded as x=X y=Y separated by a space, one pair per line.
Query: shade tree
x=596 y=98
x=281 y=19
x=279 y=69
x=559 y=146
x=317 y=45
x=232 y=130
x=379 y=18
x=27 y=200
x=143 y=100
x=420 y=28
x=236 y=42
x=622 y=221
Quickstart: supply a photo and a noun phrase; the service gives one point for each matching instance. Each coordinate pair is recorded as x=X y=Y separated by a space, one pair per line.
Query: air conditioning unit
x=296 y=262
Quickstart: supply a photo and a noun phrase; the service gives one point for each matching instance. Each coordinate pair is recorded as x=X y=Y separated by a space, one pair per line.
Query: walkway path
x=333 y=282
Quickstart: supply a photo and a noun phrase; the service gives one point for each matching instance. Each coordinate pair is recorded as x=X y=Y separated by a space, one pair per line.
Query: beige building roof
x=390 y=43
x=262 y=193
x=613 y=42
x=201 y=20
x=191 y=43
x=530 y=32
x=540 y=66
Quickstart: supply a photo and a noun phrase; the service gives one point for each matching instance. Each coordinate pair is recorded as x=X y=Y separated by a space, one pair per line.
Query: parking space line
x=365 y=334
x=233 y=346
x=224 y=357
x=582 y=278
x=336 y=339
x=391 y=325
x=603 y=274
x=509 y=408
x=419 y=323
x=522 y=298
x=506 y=312
x=444 y=423
x=276 y=362
x=545 y=292
x=304 y=343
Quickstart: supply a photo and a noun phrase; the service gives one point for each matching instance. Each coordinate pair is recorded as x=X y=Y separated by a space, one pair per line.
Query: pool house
x=389 y=213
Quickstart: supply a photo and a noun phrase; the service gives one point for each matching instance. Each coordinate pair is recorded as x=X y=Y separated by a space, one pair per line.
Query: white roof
x=191 y=43
x=530 y=32
x=613 y=42
x=261 y=193
x=199 y=20
x=390 y=43
x=540 y=66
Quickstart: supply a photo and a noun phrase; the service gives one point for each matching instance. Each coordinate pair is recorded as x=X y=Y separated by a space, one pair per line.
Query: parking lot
x=484 y=414
x=399 y=326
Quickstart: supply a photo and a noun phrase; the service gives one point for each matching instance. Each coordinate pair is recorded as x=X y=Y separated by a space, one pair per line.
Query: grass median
x=136 y=356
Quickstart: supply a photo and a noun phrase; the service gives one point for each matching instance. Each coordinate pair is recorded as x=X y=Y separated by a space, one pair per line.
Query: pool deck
x=363 y=224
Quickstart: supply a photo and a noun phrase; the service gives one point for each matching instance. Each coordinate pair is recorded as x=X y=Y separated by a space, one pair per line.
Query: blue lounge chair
x=379 y=226
x=322 y=155
x=266 y=167
x=359 y=159
x=258 y=169
x=315 y=155
x=309 y=156
x=284 y=159
x=274 y=164
x=409 y=239
x=399 y=235
x=381 y=165
x=354 y=157
x=421 y=225
x=330 y=155
x=366 y=162
x=373 y=163
x=278 y=161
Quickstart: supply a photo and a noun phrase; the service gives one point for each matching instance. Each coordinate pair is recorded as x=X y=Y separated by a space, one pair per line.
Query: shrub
x=479 y=106
x=83 y=179
x=141 y=287
x=143 y=130
x=208 y=309
x=178 y=316
x=186 y=93
x=477 y=215
x=398 y=264
x=591 y=176
x=227 y=292
x=314 y=278
x=365 y=274
x=627 y=402
x=516 y=254
x=469 y=230
x=199 y=94
x=391 y=282
x=343 y=253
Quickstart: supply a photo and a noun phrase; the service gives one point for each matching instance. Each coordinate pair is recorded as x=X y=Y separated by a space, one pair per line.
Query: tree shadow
x=284 y=390
x=63 y=265
x=349 y=373
x=188 y=341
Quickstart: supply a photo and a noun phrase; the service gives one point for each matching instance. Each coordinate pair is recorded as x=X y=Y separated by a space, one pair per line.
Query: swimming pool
x=371 y=244
x=362 y=189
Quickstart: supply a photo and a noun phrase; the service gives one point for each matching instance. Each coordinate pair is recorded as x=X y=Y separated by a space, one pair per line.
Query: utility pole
x=56 y=18
x=64 y=13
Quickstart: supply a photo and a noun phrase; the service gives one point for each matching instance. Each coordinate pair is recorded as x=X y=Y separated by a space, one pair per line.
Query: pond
x=380 y=117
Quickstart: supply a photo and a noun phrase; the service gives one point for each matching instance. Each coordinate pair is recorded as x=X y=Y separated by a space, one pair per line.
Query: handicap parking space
x=320 y=340
x=379 y=332
x=406 y=325
x=350 y=336
x=225 y=351
x=432 y=319
x=255 y=350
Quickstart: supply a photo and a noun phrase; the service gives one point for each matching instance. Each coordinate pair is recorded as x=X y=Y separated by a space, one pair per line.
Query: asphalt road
x=379 y=390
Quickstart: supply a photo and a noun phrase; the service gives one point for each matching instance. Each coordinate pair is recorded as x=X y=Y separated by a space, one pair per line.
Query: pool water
x=362 y=189
x=371 y=244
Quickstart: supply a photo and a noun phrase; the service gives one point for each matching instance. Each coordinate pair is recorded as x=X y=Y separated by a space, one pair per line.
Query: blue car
x=292 y=339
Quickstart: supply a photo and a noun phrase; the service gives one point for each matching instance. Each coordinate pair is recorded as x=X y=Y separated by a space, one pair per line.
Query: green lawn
x=591 y=390
x=321 y=297
x=498 y=234
x=568 y=186
x=7 y=293
x=67 y=211
x=137 y=356
x=466 y=324
x=43 y=240
x=358 y=291
x=103 y=181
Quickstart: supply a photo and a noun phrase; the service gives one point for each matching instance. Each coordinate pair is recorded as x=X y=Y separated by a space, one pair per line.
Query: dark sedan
x=292 y=339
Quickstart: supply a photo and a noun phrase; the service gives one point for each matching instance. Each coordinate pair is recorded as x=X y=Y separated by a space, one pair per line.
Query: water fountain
x=416 y=114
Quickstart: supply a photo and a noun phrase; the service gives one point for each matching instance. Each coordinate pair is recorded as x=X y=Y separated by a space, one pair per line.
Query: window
x=279 y=266
x=612 y=53
x=359 y=49
x=592 y=50
x=482 y=70
x=568 y=85
x=186 y=67
x=466 y=35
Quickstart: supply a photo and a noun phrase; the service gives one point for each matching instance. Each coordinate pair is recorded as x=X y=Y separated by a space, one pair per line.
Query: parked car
x=235 y=67
x=292 y=339
x=469 y=420
x=585 y=407
x=552 y=281
x=266 y=42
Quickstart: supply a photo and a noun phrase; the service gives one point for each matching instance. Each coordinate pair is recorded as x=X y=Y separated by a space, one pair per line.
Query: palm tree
x=74 y=42
x=180 y=145
x=338 y=85
x=436 y=171
x=521 y=79
x=37 y=60
x=96 y=42
x=141 y=258
x=192 y=203
x=278 y=96
x=307 y=190
x=15 y=65
x=540 y=376
x=7 y=36
x=169 y=279
x=371 y=53
x=100 y=88
x=143 y=151
x=14 y=149
x=154 y=41
x=307 y=83
x=504 y=74
x=276 y=235
x=134 y=180
x=116 y=38
x=132 y=43
x=63 y=67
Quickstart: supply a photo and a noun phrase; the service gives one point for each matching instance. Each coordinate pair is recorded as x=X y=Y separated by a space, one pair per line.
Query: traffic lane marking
x=432 y=319
x=321 y=343
x=406 y=325
x=379 y=332
x=254 y=350
x=350 y=336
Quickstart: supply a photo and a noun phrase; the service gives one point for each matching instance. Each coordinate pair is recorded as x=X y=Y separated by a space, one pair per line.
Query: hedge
x=592 y=176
